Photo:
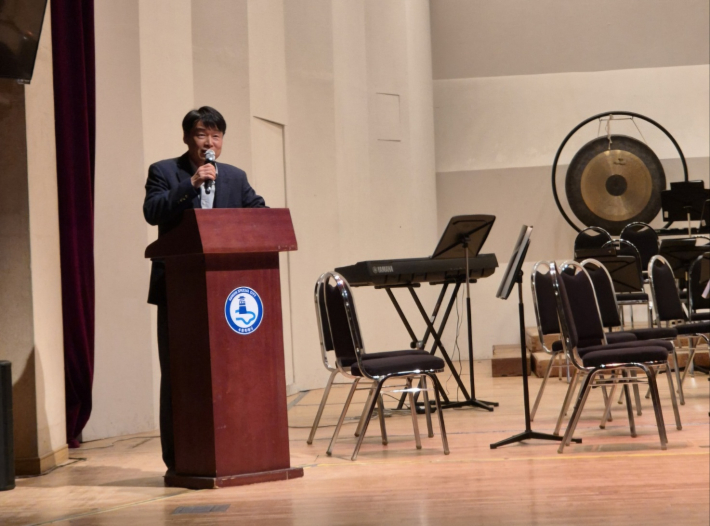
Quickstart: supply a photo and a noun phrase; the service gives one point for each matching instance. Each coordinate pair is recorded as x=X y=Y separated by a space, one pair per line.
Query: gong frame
x=596 y=117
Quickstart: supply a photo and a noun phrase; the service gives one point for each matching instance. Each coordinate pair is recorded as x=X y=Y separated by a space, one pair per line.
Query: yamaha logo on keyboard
x=382 y=269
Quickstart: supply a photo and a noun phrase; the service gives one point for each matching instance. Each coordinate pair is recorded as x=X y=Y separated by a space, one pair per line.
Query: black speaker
x=7 y=445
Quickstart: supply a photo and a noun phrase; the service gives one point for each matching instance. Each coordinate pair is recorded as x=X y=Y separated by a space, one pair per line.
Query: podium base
x=194 y=482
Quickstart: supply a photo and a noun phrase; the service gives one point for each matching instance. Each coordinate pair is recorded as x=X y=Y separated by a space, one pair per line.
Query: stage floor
x=611 y=478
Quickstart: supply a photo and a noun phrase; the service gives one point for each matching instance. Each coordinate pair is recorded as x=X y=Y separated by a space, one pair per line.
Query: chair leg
x=631 y=311
x=364 y=411
x=629 y=406
x=381 y=418
x=674 y=401
x=413 y=409
x=321 y=407
x=440 y=413
x=691 y=355
x=566 y=403
x=655 y=397
x=681 y=395
x=581 y=400
x=606 y=417
x=370 y=408
x=427 y=409
x=353 y=388
x=542 y=386
x=608 y=396
x=637 y=395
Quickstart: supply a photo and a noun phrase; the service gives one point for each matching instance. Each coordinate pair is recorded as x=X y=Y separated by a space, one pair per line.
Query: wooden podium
x=226 y=346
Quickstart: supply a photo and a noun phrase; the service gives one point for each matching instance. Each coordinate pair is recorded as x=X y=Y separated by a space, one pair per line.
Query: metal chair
x=645 y=239
x=698 y=278
x=589 y=326
x=336 y=303
x=546 y=317
x=609 y=311
x=619 y=360
x=669 y=309
x=332 y=367
x=633 y=292
x=590 y=238
x=547 y=323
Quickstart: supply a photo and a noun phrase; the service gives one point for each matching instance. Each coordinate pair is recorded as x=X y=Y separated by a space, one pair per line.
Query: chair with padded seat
x=590 y=239
x=332 y=367
x=619 y=360
x=546 y=318
x=632 y=291
x=590 y=331
x=609 y=310
x=698 y=277
x=645 y=239
x=590 y=324
x=336 y=314
x=669 y=310
x=547 y=323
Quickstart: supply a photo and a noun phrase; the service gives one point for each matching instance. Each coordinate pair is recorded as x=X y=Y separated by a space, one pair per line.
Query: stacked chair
x=669 y=310
x=339 y=332
x=579 y=318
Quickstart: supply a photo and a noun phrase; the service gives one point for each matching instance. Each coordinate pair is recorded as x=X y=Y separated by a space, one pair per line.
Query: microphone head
x=210 y=156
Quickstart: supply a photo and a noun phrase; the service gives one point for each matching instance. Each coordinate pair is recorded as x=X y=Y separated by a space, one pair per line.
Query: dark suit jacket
x=169 y=191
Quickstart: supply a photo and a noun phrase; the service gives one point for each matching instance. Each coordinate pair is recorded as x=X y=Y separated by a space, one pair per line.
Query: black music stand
x=463 y=237
x=625 y=274
x=680 y=253
x=514 y=274
x=685 y=201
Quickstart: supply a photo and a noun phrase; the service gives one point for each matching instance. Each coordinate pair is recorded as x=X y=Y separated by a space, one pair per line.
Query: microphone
x=210 y=158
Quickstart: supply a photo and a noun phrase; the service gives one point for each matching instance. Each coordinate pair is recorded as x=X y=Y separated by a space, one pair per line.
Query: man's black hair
x=210 y=117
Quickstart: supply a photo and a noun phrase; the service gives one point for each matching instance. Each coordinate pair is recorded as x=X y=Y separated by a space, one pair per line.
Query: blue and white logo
x=244 y=310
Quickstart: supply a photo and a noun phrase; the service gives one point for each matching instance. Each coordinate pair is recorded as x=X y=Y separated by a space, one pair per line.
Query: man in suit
x=175 y=185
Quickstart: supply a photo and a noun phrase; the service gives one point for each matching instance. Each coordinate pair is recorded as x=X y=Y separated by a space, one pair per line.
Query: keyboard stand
x=436 y=334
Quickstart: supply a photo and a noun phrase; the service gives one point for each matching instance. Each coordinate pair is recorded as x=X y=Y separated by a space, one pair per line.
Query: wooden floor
x=610 y=479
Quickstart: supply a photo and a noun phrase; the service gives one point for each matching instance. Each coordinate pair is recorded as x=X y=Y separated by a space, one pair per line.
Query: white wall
x=513 y=78
x=31 y=333
x=298 y=84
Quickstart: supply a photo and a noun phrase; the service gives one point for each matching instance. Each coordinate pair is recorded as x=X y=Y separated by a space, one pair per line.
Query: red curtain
x=75 y=127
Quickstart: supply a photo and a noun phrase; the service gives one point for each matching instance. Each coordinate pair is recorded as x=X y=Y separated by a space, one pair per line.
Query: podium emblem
x=244 y=310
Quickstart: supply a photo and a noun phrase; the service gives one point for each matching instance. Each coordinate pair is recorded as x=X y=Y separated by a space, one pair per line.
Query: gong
x=613 y=181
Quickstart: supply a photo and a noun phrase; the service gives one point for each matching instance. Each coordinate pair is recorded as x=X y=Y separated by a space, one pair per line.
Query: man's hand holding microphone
x=207 y=173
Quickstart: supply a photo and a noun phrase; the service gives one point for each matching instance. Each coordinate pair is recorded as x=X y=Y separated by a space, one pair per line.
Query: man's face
x=201 y=139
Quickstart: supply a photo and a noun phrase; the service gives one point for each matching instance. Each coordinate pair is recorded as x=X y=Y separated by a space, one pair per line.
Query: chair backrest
x=583 y=302
x=544 y=301
x=666 y=301
x=565 y=316
x=604 y=289
x=644 y=238
x=698 y=279
x=590 y=238
x=337 y=319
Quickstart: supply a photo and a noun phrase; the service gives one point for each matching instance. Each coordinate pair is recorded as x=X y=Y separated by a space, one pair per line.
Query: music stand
x=514 y=274
x=463 y=237
x=680 y=253
x=685 y=201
